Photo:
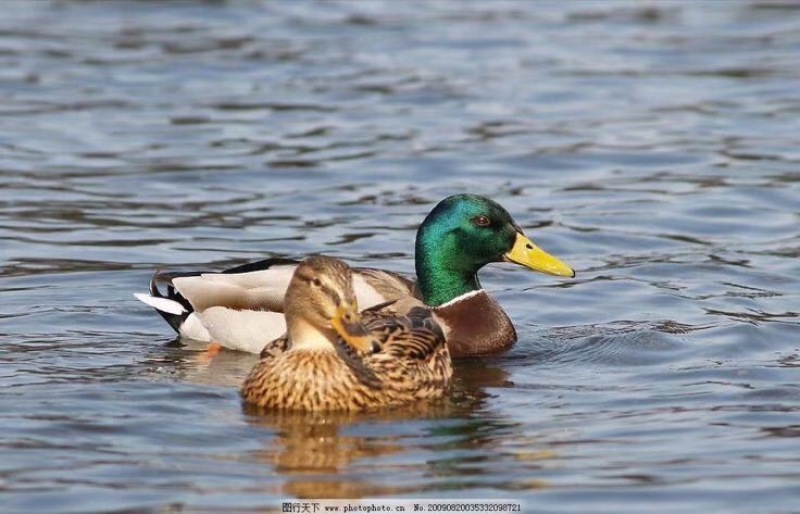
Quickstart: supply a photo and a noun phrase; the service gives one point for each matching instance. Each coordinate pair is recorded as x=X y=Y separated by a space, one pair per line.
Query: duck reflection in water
x=334 y=455
x=327 y=455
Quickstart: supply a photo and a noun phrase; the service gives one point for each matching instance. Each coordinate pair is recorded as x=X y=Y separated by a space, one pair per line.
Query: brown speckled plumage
x=413 y=362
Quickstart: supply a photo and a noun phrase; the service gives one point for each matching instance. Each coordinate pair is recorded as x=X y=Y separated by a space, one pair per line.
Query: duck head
x=462 y=234
x=321 y=305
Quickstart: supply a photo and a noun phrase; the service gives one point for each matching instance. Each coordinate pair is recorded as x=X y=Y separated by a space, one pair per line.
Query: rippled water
x=653 y=146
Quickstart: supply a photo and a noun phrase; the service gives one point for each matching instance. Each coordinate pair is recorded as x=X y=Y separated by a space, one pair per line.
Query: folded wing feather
x=244 y=310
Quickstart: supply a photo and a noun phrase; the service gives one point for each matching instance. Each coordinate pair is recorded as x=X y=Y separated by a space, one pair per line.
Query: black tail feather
x=174 y=320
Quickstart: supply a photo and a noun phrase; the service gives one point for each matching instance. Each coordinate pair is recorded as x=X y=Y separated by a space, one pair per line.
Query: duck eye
x=481 y=221
x=317 y=282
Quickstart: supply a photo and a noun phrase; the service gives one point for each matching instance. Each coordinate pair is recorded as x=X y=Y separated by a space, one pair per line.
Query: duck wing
x=242 y=307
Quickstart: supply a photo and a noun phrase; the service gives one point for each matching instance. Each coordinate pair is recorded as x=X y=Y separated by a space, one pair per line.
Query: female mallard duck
x=335 y=358
x=241 y=308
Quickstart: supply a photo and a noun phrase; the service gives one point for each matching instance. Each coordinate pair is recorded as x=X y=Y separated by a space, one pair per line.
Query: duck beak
x=531 y=256
x=347 y=323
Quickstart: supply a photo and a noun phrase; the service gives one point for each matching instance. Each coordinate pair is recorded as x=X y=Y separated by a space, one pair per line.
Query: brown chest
x=475 y=325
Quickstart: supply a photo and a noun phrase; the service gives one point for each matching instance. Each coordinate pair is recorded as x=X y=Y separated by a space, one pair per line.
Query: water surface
x=652 y=146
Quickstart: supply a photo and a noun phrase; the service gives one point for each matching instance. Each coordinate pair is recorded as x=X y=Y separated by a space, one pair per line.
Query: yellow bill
x=531 y=256
x=347 y=323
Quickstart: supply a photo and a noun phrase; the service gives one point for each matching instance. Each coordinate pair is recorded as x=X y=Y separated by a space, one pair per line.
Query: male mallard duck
x=241 y=308
x=335 y=358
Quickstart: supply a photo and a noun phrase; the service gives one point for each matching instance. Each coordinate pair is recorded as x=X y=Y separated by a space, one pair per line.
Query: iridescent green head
x=462 y=234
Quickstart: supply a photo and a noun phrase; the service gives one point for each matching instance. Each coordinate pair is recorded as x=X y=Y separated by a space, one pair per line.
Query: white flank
x=193 y=328
x=161 y=304
x=461 y=298
x=243 y=330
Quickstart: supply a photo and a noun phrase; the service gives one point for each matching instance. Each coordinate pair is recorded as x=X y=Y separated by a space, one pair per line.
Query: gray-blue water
x=651 y=145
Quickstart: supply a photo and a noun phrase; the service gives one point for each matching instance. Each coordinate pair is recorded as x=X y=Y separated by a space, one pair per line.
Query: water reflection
x=378 y=454
x=329 y=455
x=661 y=158
x=188 y=362
x=316 y=454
